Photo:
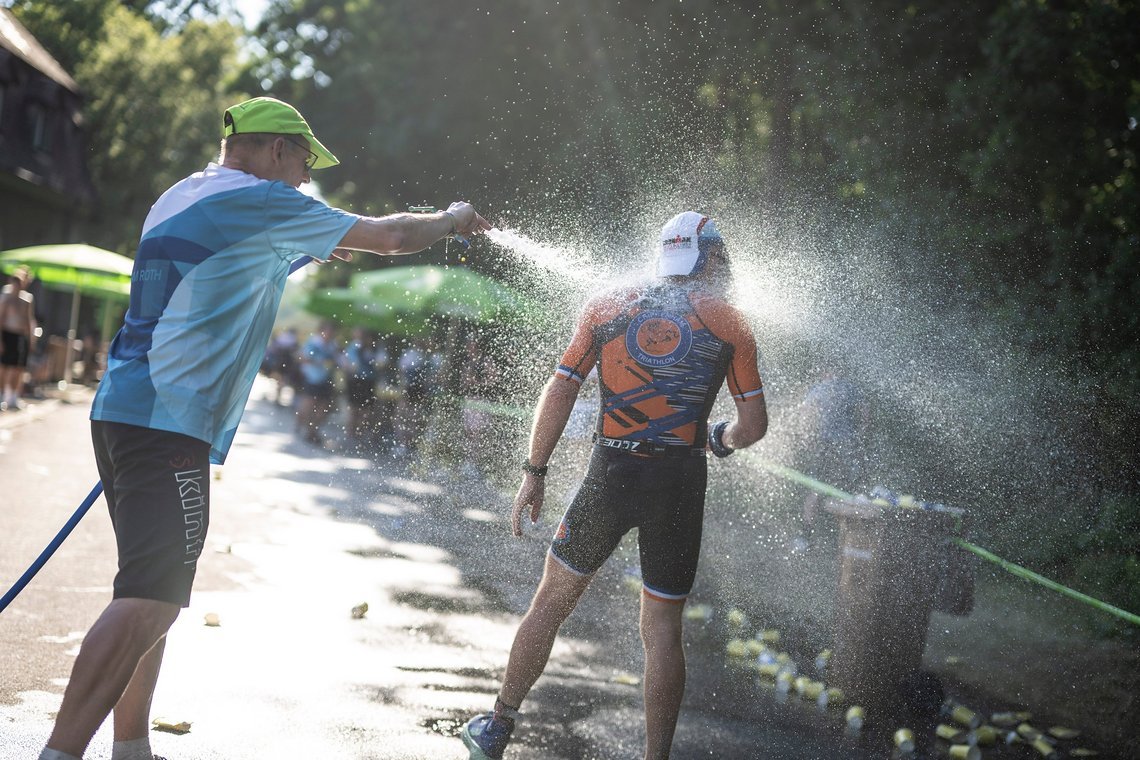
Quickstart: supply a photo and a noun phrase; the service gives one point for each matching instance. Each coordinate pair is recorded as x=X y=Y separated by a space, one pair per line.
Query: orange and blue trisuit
x=662 y=352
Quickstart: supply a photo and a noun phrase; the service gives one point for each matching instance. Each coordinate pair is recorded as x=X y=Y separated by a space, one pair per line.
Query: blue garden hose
x=69 y=526
x=45 y=555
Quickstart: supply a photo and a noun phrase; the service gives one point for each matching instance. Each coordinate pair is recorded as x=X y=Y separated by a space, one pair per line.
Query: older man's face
x=300 y=160
x=286 y=159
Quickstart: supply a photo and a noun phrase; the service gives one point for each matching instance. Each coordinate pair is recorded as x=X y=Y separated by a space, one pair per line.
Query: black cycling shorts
x=322 y=391
x=13 y=349
x=664 y=498
x=157 y=486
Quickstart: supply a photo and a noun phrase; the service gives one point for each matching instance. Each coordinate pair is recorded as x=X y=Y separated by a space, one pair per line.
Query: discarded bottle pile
x=962 y=734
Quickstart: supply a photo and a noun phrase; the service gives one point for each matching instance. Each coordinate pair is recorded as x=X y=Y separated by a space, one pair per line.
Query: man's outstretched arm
x=408 y=233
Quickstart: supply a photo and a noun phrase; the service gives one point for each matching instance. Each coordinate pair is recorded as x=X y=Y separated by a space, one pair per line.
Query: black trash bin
x=892 y=564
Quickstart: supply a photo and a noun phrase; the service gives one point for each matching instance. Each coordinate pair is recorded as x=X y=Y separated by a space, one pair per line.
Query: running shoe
x=487 y=737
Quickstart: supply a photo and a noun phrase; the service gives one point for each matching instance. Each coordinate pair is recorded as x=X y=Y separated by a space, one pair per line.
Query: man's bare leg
x=11 y=377
x=557 y=595
x=664 y=673
x=126 y=631
x=132 y=711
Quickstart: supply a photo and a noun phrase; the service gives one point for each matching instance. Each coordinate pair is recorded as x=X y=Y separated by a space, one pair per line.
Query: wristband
x=716 y=440
x=538 y=472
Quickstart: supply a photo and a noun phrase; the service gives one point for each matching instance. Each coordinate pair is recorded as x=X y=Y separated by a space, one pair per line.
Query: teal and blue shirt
x=208 y=277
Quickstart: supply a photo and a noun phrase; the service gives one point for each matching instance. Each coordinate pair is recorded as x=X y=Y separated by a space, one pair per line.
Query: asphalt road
x=298 y=537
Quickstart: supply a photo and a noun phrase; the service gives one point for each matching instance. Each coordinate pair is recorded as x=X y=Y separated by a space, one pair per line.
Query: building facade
x=45 y=188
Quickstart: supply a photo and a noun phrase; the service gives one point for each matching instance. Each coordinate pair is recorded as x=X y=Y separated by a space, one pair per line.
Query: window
x=39 y=121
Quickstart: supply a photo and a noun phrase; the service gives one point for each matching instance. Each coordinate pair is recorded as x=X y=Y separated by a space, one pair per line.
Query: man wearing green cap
x=215 y=251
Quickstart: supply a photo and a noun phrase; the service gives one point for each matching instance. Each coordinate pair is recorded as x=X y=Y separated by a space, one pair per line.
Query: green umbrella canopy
x=432 y=290
x=74 y=267
x=359 y=308
x=405 y=300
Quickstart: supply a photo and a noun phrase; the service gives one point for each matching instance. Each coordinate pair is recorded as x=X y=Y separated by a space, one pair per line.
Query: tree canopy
x=996 y=140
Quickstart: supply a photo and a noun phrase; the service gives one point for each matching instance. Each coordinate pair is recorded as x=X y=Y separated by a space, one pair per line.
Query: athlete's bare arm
x=750 y=425
x=33 y=325
x=408 y=233
x=554 y=407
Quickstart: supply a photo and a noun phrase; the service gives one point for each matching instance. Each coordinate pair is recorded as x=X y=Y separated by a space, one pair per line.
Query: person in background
x=317 y=391
x=210 y=269
x=17 y=337
x=662 y=350
x=414 y=370
x=479 y=377
x=92 y=350
x=387 y=397
x=837 y=417
x=358 y=365
x=281 y=361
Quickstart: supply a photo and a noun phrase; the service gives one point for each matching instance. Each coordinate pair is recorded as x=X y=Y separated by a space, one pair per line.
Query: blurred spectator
x=18 y=335
x=388 y=395
x=281 y=360
x=415 y=373
x=317 y=389
x=92 y=357
x=837 y=416
x=479 y=377
x=358 y=363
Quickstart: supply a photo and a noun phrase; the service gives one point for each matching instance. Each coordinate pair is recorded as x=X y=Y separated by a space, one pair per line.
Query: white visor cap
x=679 y=249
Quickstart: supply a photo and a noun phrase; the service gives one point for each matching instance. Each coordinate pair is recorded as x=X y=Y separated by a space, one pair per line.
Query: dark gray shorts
x=13 y=349
x=663 y=498
x=157 y=486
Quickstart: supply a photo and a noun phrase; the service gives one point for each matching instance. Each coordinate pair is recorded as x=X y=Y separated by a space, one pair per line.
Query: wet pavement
x=298 y=537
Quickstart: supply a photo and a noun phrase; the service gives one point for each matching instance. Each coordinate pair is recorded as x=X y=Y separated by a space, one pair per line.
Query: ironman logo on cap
x=658 y=338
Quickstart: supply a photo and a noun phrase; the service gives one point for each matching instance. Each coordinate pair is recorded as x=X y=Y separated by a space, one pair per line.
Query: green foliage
x=1051 y=194
x=1115 y=527
x=69 y=31
x=999 y=139
x=1113 y=578
x=153 y=101
x=154 y=112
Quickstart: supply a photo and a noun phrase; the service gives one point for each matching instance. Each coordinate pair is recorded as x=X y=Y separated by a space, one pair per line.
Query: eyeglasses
x=311 y=161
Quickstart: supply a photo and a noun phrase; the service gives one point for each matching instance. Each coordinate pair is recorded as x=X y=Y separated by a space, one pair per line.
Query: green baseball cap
x=275 y=117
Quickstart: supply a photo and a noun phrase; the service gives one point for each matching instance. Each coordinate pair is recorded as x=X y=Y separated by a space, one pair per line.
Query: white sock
x=55 y=754
x=133 y=749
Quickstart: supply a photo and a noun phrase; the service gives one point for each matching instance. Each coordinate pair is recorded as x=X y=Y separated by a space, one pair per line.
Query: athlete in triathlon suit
x=662 y=352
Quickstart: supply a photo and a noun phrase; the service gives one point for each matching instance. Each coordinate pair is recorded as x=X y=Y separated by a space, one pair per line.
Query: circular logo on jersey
x=658 y=338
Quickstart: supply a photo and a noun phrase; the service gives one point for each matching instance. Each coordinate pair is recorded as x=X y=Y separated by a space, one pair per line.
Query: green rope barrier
x=812 y=483
x=788 y=473
x=1014 y=569
x=1029 y=575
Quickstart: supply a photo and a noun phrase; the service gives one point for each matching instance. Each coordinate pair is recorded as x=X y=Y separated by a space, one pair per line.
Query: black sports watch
x=538 y=472
x=716 y=440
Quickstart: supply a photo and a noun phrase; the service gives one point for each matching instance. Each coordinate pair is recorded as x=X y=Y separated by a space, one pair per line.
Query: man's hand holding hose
x=467 y=220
